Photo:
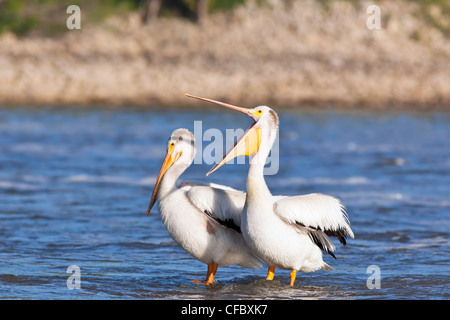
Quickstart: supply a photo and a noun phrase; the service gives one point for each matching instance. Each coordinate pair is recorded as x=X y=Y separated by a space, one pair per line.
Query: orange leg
x=208 y=273
x=270 y=273
x=212 y=269
x=293 y=274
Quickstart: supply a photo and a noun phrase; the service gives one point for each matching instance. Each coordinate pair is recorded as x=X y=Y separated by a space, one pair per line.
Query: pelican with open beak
x=285 y=232
x=203 y=219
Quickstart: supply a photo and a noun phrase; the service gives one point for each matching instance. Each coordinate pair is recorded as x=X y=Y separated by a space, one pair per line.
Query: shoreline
x=286 y=57
x=302 y=107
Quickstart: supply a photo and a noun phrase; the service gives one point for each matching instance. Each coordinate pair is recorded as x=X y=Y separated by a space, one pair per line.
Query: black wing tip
x=228 y=223
x=341 y=234
x=317 y=242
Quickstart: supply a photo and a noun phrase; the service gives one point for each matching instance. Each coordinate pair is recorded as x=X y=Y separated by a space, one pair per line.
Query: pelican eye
x=259 y=111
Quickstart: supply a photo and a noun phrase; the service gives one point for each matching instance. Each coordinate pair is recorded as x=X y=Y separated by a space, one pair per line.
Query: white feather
x=319 y=211
x=219 y=203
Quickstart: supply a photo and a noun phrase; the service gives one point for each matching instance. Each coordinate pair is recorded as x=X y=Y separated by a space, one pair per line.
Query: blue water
x=75 y=185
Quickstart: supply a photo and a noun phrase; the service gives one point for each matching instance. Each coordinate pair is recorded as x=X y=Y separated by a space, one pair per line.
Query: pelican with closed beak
x=285 y=232
x=203 y=219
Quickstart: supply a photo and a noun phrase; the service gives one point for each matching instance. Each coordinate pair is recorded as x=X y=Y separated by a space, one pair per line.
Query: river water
x=75 y=185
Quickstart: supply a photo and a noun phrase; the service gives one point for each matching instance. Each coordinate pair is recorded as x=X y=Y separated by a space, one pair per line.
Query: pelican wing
x=320 y=214
x=224 y=204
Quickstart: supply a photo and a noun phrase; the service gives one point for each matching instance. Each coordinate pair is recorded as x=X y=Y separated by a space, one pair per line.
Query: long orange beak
x=168 y=162
x=248 y=144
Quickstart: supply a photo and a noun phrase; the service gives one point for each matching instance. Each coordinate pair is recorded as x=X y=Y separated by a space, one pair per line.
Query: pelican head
x=179 y=156
x=264 y=128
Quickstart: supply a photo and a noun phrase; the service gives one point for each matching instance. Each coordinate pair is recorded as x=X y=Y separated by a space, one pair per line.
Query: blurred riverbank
x=283 y=55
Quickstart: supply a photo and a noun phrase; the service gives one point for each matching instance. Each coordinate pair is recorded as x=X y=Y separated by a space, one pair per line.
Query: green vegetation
x=48 y=17
x=437 y=14
x=12 y=18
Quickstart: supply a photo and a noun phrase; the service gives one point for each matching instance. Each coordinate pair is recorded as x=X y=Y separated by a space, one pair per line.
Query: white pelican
x=285 y=232
x=203 y=220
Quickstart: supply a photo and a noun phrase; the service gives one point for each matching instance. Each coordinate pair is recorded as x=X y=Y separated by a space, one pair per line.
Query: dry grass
x=284 y=56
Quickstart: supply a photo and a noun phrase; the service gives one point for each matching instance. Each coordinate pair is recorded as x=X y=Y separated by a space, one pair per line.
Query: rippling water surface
x=75 y=185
